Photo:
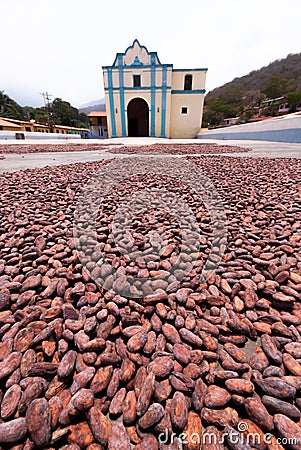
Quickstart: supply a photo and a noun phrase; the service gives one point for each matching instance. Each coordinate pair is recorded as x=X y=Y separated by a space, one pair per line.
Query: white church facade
x=147 y=98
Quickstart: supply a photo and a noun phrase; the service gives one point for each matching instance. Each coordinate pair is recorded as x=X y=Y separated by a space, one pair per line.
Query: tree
x=293 y=99
x=277 y=86
x=65 y=114
x=9 y=108
x=37 y=114
x=233 y=96
x=4 y=102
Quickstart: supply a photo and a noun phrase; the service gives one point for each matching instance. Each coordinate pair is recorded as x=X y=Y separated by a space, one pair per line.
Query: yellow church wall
x=115 y=78
x=198 y=79
x=128 y=77
x=168 y=114
x=158 y=75
x=186 y=125
x=105 y=78
x=109 y=124
x=117 y=113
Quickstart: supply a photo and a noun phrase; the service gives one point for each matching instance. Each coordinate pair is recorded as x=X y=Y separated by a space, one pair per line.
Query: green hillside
x=238 y=97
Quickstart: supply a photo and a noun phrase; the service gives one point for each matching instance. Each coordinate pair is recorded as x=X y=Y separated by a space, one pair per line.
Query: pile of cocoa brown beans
x=189 y=366
x=180 y=149
x=53 y=148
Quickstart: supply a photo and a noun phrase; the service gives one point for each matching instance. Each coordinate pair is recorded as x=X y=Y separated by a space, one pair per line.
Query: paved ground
x=13 y=162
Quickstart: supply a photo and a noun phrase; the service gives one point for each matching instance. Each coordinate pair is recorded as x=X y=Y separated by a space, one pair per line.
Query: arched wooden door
x=138 y=118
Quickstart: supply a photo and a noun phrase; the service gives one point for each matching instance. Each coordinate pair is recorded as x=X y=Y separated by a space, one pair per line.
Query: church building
x=147 y=98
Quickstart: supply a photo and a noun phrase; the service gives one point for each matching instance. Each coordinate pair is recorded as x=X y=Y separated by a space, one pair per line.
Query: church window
x=188 y=83
x=137 y=80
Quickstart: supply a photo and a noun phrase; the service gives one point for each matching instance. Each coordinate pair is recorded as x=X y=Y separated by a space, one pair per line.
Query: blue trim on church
x=145 y=66
x=163 y=121
x=192 y=91
x=111 y=98
x=153 y=96
x=141 y=88
x=190 y=70
x=121 y=84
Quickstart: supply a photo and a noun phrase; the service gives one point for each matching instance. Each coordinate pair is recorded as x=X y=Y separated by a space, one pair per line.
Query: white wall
x=11 y=135
x=285 y=129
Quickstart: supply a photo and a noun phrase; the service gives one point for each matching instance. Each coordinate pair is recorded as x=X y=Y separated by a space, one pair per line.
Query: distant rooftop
x=97 y=114
x=7 y=123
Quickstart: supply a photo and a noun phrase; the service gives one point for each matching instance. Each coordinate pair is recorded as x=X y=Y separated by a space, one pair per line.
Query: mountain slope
x=240 y=96
x=94 y=105
x=289 y=67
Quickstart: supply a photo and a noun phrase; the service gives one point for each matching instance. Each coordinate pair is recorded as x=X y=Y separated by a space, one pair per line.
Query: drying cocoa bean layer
x=83 y=367
x=42 y=148
x=175 y=149
x=180 y=149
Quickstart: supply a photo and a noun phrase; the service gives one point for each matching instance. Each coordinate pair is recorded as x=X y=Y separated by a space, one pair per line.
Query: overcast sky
x=61 y=45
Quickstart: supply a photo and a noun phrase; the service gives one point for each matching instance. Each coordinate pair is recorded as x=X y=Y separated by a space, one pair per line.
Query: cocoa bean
x=171 y=333
x=179 y=411
x=38 y=422
x=101 y=379
x=277 y=388
x=10 y=364
x=145 y=394
x=216 y=397
x=258 y=413
x=270 y=349
x=129 y=408
x=99 y=424
x=66 y=365
x=117 y=402
x=13 y=431
x=152 y=416
x=83 y=399
x=161 y=366
x=221 y=417
x=190 y=337
x=127 y=370
x=10 y=401
x=82 y=379
x=287 y=429
x=277 y=406
x=80 y=435
x=291 y=364
x=32 y=391
x=198 y=394
x=137 y=341
x=119 y=439
x=240 y=386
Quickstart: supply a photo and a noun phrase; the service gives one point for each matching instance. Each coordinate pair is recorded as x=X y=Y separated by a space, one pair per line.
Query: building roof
x=97 y=114
x=6 y=123
x=18 y=121
x=65 y=127
x=40 y=125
